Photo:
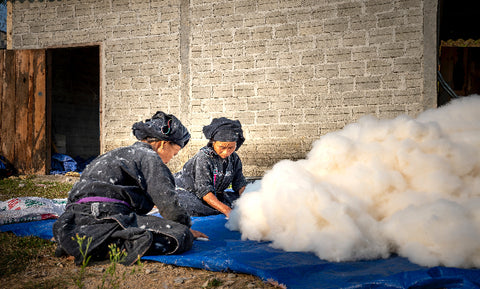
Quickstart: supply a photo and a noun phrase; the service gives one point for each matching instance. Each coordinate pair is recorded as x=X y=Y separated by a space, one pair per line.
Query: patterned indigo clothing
x=207 y=172
x=110 y=202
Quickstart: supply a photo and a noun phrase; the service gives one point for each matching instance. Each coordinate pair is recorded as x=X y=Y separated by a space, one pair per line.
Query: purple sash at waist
x=101 y=199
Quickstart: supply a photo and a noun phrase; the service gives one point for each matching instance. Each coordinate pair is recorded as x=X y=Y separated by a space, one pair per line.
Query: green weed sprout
x=214 y=283
x=116 y=256
x=80 y=240
x=139 y=264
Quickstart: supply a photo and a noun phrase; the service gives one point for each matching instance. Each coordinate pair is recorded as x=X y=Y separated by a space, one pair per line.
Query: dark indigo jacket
x=207 y=172
x=135 y=175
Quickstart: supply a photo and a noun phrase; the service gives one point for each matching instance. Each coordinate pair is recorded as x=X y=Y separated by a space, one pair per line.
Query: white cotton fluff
x=409 y=186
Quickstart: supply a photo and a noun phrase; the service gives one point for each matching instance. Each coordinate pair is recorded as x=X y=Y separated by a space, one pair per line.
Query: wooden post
x=41 y=149
x=23 y=105
x=7 y=129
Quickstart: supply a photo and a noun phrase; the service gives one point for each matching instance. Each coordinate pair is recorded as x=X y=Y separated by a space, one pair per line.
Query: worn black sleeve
x=160 y=185
x=239 y=180
x=204 y=176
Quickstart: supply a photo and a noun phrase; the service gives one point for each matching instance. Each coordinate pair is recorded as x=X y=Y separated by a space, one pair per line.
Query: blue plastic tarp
x=227 y=252
x=42 y=229
x=62 y=164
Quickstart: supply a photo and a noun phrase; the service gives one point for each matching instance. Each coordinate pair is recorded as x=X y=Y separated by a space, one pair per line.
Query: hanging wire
x=445 y=92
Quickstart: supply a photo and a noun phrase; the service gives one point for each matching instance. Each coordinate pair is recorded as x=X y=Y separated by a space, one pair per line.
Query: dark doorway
x=459 y=50
x=73 y=80
x=460 y=67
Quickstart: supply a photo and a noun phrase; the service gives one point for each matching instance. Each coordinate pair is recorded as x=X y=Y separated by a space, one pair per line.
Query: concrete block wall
x=139 y=53
x=289 y=70
x=292 y=71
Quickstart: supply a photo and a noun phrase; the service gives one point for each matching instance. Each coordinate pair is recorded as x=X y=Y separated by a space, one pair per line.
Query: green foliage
x=28 y=186
x=116 y=256
x=15 y=260
x=85 y=258
x=138 y=266
x=214 y=283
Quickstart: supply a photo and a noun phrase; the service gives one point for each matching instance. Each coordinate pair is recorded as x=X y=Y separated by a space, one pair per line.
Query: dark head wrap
x=163 y=127
x=226 y=130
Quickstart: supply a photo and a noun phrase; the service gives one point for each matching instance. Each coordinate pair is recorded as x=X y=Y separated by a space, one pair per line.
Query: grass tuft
x=29 y=186
x=18 y=253
x=13 y=260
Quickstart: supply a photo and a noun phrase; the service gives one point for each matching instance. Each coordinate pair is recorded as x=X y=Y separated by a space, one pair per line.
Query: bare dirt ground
x=48 y=271
x=51 y=272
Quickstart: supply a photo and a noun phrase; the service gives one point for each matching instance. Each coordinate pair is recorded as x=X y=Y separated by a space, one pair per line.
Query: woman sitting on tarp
x=111 y=200
x=204 y=179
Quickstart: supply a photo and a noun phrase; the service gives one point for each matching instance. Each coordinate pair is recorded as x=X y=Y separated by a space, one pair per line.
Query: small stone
x=231 y=276
x=148 y=271
x=180 y=280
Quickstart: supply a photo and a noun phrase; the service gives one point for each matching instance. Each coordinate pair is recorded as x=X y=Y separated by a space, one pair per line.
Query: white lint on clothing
x=409 y=186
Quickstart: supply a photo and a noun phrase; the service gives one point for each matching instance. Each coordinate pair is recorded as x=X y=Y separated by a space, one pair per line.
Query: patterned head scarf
x=163 y=127
x=226 y=130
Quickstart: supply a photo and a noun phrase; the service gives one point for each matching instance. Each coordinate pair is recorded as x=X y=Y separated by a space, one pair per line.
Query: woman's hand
x=241 y=190
x=198 y=234
x=216 y=204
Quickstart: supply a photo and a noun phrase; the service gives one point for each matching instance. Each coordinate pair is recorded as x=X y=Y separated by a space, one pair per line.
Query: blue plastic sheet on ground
x=42 y=229
x=227 y=252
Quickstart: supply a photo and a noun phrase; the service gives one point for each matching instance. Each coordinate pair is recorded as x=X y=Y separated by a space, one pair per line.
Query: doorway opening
x=459 y=50
x=73 y=81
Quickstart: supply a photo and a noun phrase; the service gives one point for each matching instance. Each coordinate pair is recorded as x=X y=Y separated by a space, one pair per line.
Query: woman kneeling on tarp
x=203 y=181
x=115 y=192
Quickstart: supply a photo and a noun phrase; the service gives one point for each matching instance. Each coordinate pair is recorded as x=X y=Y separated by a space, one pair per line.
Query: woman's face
x=167 y=150
x=224 y=148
